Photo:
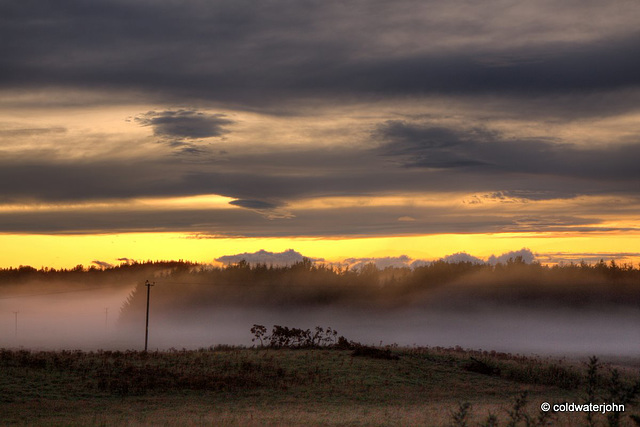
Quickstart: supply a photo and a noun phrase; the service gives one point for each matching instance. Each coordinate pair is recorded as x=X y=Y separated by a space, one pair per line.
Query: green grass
x=238 y=386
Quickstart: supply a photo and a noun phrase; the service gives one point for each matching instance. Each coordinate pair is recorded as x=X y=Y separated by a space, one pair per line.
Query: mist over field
x=513 y=307
x=575 y=332
x=65 y=320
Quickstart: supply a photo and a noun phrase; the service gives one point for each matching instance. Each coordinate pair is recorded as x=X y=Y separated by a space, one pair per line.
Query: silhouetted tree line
x=190 y=287
x=243 y=271
x=185 y=285
x=80 y=273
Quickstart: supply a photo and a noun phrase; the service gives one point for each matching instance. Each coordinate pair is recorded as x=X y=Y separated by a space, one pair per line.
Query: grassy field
x=249 y=386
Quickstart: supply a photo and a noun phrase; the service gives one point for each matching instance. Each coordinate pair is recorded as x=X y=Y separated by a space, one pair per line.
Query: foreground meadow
x=319 y=386
x=327 y=379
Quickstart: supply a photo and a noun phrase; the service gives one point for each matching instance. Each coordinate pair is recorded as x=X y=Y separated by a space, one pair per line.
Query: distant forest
x=438 y=270
x=180 y=284
x=92 y=274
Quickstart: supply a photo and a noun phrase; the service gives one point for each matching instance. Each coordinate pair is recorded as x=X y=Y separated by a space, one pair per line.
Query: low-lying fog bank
x=40 y=318
x=529 y=309
x=55 y=324
x=527 y=331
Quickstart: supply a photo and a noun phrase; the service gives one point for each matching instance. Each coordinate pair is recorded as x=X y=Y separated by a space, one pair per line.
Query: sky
x=363 y=129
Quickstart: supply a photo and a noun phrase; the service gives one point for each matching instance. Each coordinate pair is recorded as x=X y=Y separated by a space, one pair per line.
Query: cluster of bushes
x=285 y=337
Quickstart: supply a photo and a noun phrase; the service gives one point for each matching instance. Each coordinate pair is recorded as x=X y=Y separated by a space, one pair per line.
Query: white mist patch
x=88 y=320
x=568 y=332
x=73 y=319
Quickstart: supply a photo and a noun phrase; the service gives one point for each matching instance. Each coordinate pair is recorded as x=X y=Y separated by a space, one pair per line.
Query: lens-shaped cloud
x=184 y=124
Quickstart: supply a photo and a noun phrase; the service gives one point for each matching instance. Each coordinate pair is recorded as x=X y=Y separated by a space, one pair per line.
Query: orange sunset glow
x=390 y=140
x=319 y=212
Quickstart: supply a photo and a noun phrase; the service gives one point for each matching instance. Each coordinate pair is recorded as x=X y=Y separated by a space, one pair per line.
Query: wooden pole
x=146 y=333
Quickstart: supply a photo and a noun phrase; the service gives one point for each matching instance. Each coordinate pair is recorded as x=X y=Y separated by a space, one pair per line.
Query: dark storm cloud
x=184 y=124
x=250 y=53
x=412 y=158
x=72 y=181
x=569 y=68
x=299 y=56
x=52 y=182
x=426 y=146
x=227 y=222
x=214 y=50
x=352 y=221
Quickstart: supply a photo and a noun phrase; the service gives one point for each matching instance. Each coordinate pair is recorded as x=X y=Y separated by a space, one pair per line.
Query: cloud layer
x=288 y=257
x=317 y=119
x=291 y=256
x=261 y=53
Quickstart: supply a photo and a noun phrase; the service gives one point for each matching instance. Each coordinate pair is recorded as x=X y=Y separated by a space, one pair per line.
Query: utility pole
x=16 y=328
x=106 y=318
x=146 y=333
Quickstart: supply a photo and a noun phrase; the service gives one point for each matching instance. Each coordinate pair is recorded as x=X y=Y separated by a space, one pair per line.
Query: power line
x=108 y=287
x=60 y=292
